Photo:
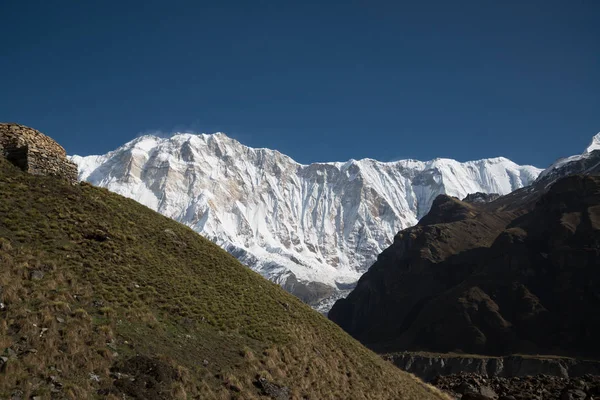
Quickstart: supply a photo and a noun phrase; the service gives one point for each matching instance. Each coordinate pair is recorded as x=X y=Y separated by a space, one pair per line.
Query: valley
x=479 y=293
x=267 y=200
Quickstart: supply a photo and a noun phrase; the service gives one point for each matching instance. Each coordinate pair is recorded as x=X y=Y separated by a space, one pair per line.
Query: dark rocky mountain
x=519 y=274
x=480 y=197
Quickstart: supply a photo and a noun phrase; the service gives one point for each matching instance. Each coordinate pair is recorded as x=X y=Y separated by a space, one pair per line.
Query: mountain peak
x=156 y=136
x=594 y=145
x=314 y=225
x=576 y=161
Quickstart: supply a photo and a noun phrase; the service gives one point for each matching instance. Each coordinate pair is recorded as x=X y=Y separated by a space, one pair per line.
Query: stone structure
x=35 y=152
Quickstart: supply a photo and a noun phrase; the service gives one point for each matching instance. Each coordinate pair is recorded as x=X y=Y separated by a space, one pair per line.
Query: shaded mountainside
x=520 y=274
x=313 y=229
x=428 y=366
x=100 y=297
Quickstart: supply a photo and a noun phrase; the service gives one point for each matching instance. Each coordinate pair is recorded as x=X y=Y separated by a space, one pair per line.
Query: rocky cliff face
x=315 y=228
x=515 y=275
x=481 y=197
x=428 y=367
x=538 y=387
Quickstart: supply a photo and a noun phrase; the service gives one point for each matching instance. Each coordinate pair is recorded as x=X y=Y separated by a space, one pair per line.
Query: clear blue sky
x=317 y=80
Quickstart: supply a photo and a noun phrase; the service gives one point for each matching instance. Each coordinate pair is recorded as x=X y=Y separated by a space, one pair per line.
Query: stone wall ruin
x=35 y=153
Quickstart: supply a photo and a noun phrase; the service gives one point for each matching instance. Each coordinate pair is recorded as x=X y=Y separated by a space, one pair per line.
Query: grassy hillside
x=103 y=298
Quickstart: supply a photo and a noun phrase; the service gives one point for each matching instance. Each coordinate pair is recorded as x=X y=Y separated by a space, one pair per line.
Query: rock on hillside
x=428 y=366
x=516 y=275
x=313 y=229
x=481 y=197
x=538 y=387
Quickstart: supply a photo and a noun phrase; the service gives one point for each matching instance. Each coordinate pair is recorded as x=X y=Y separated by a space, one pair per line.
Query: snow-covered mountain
x=314 y=228
x=587 y=162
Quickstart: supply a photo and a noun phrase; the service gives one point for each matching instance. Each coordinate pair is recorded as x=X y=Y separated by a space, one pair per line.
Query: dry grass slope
x=104 y=298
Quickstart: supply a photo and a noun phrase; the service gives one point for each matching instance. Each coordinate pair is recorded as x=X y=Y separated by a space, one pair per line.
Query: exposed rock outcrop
x=429 y=366
x=539 y=387
x=480 y=197
x=35 y=153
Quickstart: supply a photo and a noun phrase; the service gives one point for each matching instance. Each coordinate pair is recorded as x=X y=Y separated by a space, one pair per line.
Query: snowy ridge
x=559 y=164
x=321 y=223
x=594 y=145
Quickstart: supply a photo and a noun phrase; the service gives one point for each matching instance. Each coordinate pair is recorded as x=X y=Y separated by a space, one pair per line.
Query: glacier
x=314 y=229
